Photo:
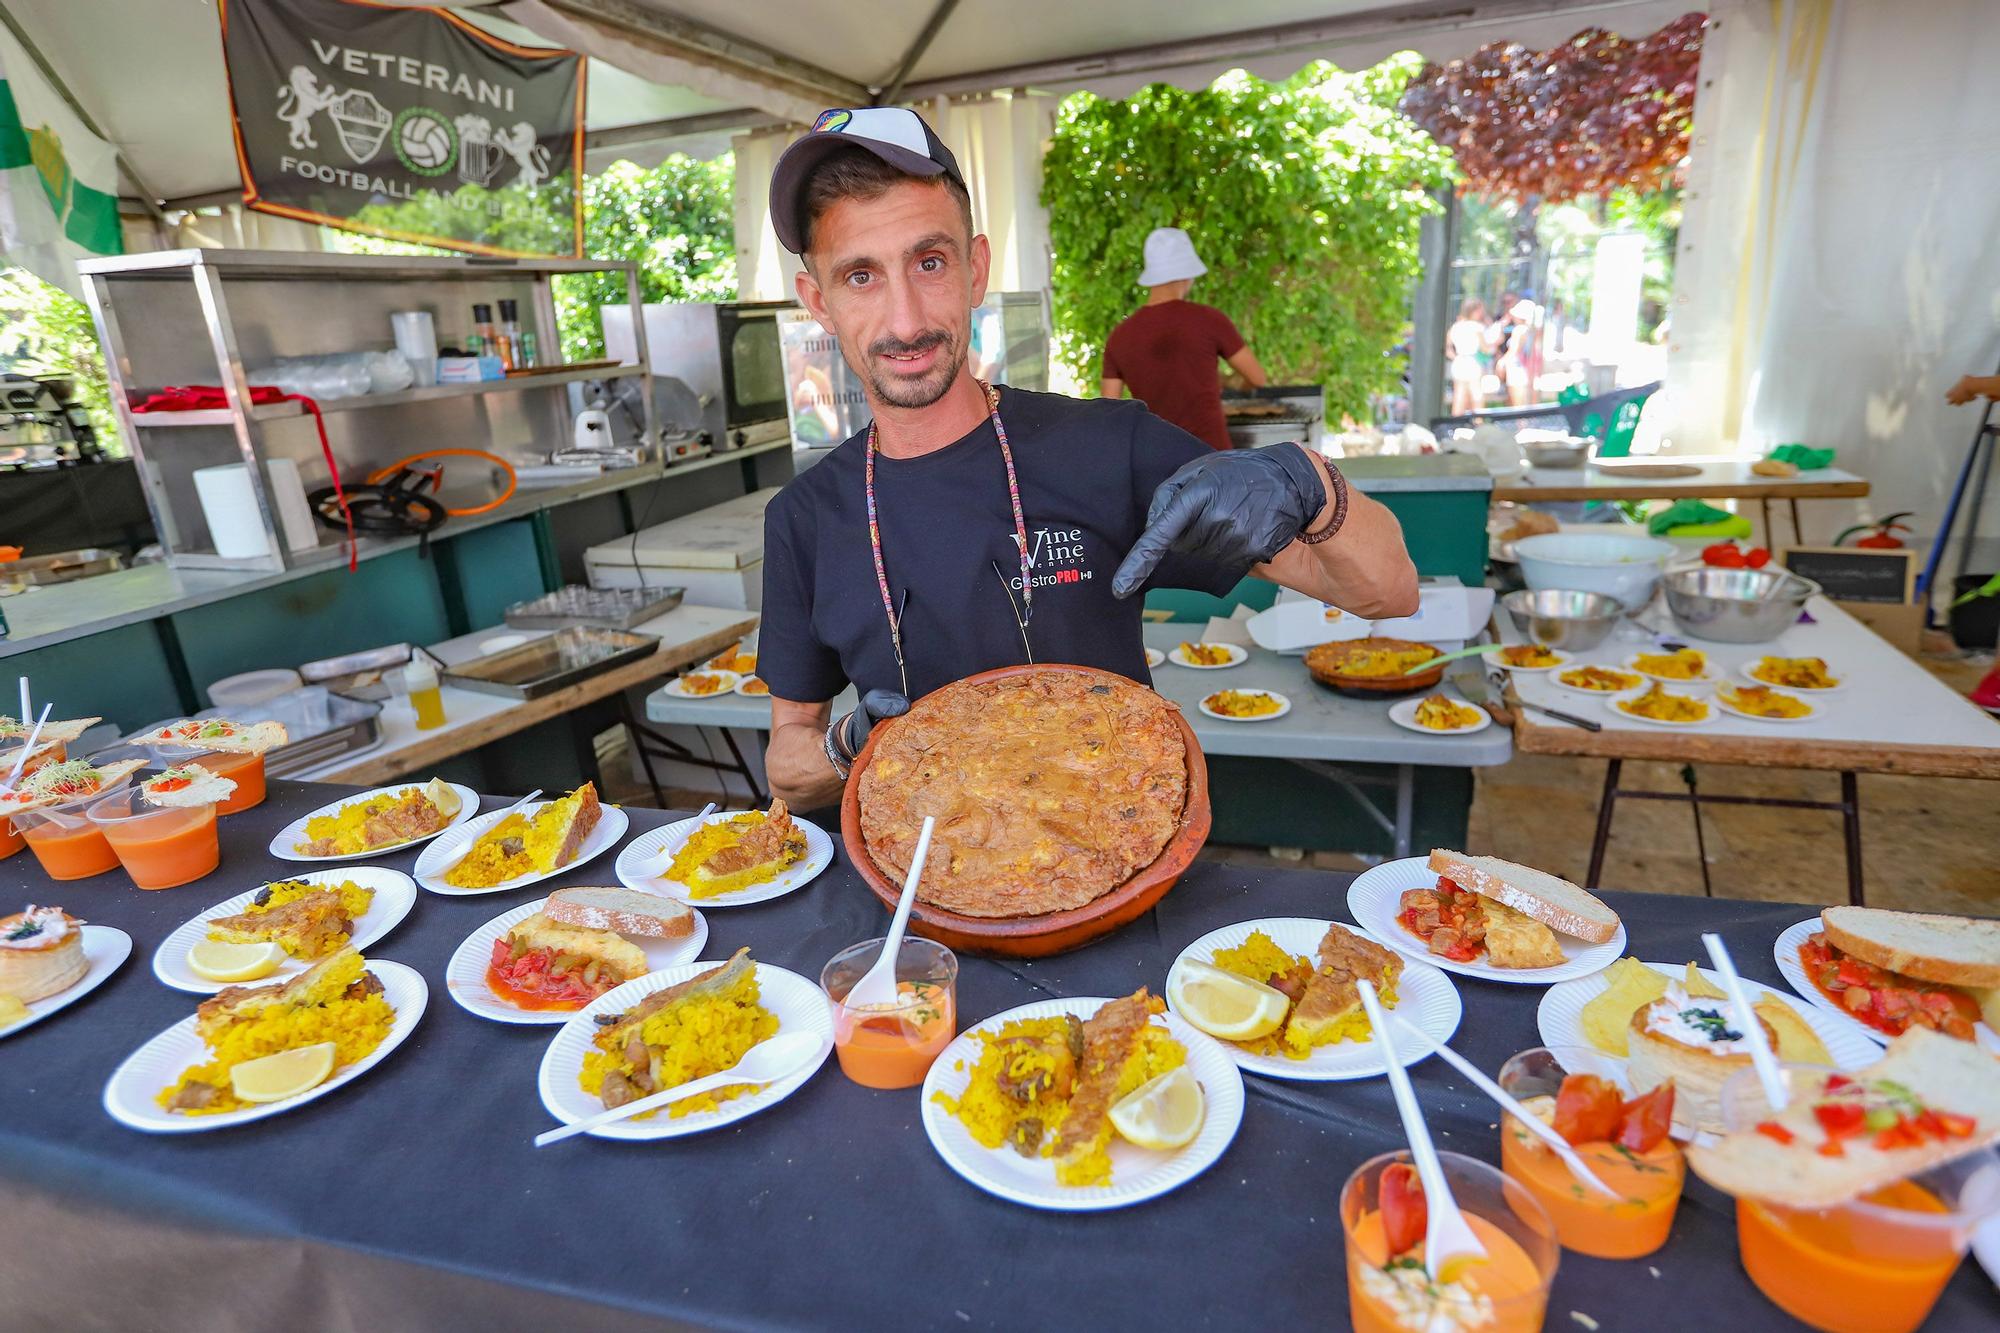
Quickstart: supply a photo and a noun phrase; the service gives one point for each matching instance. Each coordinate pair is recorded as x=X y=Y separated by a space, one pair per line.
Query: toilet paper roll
x=230 y=507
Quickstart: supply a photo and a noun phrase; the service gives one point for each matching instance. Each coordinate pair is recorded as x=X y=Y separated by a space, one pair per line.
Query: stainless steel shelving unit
x=210 y=317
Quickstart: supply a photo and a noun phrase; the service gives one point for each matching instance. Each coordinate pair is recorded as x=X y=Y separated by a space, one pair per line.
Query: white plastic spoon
x=461 y=853
x=877 y=987
x=1556 y=1142
x=1448 y=1239
x=1753 y=1031
x=27 y=746
x=766 y=1062
x=658 y=862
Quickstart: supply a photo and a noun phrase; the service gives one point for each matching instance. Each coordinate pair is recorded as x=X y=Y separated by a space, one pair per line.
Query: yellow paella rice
x=721 y=836
x=316 y=1008
x=696 y=1037
x=1261 y=959
x=354 y=900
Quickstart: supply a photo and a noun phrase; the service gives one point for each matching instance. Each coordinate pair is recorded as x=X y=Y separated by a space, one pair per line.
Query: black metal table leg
x=1700 y=839
x=638 y=736
x=1764 y=507
x=1605 y=805
x=757 y=794
x=1798 y=533
x=1850 y=808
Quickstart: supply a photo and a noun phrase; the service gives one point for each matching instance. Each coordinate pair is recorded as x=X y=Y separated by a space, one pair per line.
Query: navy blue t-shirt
x=1088 y=470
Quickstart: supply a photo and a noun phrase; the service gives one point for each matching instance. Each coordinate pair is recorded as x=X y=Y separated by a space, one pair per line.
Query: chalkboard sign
x=1855 y=573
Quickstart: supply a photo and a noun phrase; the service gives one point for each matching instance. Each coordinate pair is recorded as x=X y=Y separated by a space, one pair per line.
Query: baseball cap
x=896 y=135
x=1170 y=257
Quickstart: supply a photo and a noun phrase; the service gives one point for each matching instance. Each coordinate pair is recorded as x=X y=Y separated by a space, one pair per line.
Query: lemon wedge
x=1225 y=1005
x=442 y=795
x=286 y=1074
x=223 y=960
x=12 y=1011
x=1163 y=1112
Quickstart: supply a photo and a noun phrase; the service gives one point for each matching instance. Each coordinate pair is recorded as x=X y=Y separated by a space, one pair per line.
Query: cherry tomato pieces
x=1771 y=1129
x=1588 y=1109
x=1647 y=1118
x=1840 y=1119
x=1404 y=1213
x=1757 y=557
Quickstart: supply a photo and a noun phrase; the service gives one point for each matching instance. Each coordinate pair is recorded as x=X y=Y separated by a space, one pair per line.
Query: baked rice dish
x=1050 y=789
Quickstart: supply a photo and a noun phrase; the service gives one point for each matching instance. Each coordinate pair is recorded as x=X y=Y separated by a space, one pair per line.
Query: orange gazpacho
x=245 y=770
x=1506 y=1294
x=895 y=1047
x=1843 y=1270
x=1641 y=1165
x=161 y=849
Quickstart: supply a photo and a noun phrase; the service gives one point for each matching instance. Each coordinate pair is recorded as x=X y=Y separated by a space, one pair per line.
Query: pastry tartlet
x=41 y=953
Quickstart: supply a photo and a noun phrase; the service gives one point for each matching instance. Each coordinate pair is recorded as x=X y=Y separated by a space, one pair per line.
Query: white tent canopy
x=663 y=72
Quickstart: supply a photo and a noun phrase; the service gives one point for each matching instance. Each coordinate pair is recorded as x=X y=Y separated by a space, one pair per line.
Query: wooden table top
x=1720 y=478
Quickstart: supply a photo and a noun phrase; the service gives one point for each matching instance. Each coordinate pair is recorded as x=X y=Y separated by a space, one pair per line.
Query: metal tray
x=546 y=665
x=609 y=608
x=323 y=727
x=363 y=675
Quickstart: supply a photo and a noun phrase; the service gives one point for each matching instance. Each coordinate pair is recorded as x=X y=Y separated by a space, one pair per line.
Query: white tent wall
x=1837 y=270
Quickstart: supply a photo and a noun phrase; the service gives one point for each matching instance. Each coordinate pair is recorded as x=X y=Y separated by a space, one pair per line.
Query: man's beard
x=902 y=391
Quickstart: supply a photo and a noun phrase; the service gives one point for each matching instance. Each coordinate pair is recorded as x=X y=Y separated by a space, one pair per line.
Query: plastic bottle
x=485 y=330
x=420 y=680
x=510 y=335
x=525 y=350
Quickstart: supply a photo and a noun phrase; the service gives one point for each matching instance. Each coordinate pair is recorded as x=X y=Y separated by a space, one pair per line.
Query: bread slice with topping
x=1549 y=899
x=1948 y=950
x=623 y=911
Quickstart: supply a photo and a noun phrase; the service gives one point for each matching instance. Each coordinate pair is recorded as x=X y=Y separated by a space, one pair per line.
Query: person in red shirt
x=1167 y=350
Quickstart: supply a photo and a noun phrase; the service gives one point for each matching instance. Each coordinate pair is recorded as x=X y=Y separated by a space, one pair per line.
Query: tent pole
x=916 y=51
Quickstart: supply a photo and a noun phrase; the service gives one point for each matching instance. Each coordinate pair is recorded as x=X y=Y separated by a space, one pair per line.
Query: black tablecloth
x=413 y=1197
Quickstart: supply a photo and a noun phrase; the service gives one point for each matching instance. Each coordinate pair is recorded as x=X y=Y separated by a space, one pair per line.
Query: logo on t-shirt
x=1055 y=556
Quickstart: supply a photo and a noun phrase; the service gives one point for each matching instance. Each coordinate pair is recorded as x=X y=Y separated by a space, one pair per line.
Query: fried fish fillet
x=1110 y=1040
x=1331 y=996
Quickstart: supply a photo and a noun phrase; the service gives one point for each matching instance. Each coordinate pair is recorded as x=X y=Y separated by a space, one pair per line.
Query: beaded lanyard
x=1020 y=532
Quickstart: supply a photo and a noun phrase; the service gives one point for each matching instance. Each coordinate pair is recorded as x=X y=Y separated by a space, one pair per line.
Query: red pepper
x=1588 y=1109
x=1404 y=1212
x=1723 y=555
x=1835 y=1082
x=1839 y=1119
x=1954 y=1125
x=1771 y=1129
x=1831 y=1148
x=1647 y=1119
x=1757 y=558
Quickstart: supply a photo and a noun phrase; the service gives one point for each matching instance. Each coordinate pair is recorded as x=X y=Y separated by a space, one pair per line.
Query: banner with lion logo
x=58 y=181
x=408 y=123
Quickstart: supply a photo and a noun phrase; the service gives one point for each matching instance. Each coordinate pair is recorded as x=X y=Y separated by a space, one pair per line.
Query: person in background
x=1463 y=343
x=1520 y=360
x=1166 y=351
x=1970 y=387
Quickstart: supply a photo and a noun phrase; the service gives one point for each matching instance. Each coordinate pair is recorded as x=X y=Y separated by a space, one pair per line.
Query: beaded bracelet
x=1339 y=509
x=841 y=767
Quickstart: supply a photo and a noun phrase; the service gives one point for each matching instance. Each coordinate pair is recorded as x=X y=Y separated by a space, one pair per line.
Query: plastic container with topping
x=160 y=847
x=64 y=840
x=893 y=1046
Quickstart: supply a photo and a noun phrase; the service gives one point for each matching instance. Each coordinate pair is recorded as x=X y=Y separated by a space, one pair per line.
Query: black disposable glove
x=1236 y=508
x=851 y=732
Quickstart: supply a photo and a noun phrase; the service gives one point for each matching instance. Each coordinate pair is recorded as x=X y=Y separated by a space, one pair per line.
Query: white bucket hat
x=1170 y=257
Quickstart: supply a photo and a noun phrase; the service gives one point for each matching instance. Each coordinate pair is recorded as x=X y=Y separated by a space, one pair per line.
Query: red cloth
x=197 y=397
x=1168 y=355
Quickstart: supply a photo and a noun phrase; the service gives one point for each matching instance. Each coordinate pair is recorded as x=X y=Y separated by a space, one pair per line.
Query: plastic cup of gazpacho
x=160 y=847
x=893 y=1045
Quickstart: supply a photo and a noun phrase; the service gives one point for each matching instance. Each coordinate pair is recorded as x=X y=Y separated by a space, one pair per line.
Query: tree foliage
x=46 y=331
x=1303 y=198
x=675 y=221
x=1583 y=118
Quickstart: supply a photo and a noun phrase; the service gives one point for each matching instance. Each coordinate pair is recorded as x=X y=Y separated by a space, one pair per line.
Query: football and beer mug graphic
x=425 y=140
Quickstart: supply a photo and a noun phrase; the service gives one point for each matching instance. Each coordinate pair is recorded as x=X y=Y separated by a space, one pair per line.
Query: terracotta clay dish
x=1067 y=799
x=1367 y=666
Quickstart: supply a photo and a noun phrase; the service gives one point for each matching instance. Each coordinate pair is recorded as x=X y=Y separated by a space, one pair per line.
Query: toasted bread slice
x=647 y=915
x=16 y=729
x=556 y=834
x=1549 y=899
x=541 y=932
x=1943 y=1073
x=1949 y=950
x=53 y=784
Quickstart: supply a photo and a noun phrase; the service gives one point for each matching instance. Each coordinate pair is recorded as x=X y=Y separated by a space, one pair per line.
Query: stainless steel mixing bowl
x=1736 y=605
x=1561 y=618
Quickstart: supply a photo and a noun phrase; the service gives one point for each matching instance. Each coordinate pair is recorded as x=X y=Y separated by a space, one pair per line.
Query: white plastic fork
x=657 y=863
x=460 y=853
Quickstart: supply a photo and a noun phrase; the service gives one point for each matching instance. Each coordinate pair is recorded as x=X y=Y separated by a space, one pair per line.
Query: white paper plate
x=800 y=1006
x=130 y=1094
x=465 y=974
x=1154 y=657
x=668 y=838
x=1563 y=660
x=294 y=833
x=678 y=690
x=1785 y=951
x=1238 y=654
x=1611 y=706
x=441 y=855
x=1708 y=677
x=1721 y=700
x=1404 y=715
x=1557 y=681
x=1425 y=997
x=1375 y=896
x=395 y=894
x=1284 y=707
x=1839 y=676
x=1559 y=1017
x=1137 y=1174
x=105 y=948
x=742 y=684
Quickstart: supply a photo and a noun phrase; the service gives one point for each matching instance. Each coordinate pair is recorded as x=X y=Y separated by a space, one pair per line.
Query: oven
x=726 y=353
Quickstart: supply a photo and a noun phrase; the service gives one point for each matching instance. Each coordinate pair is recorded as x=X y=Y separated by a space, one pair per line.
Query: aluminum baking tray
x=609 y=608
x=366 y=674
x=548 y=664
x=323 y=727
